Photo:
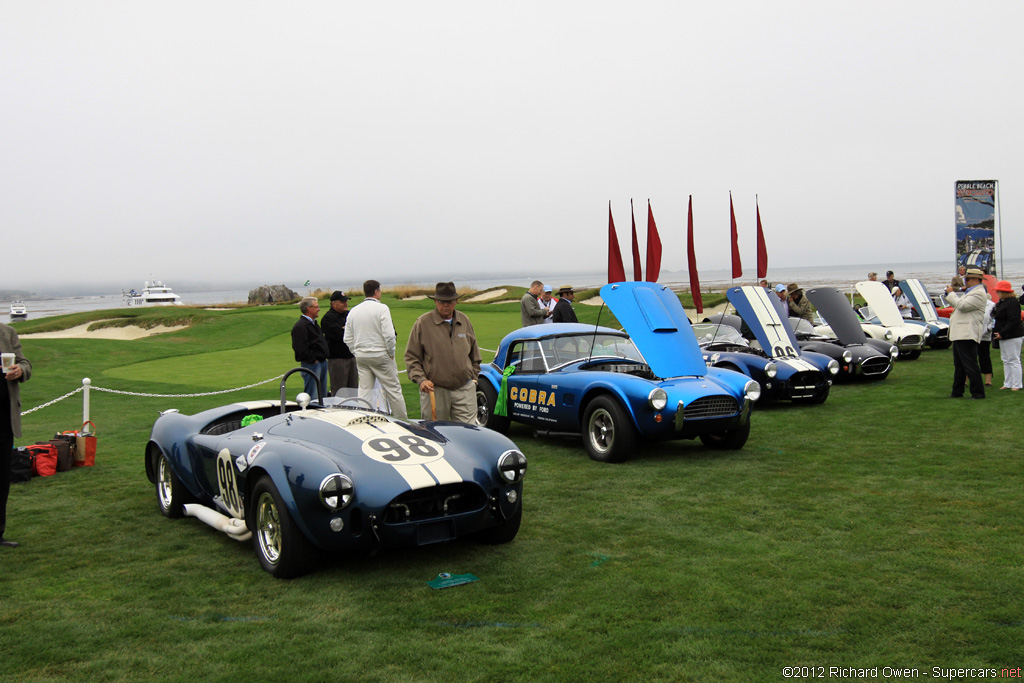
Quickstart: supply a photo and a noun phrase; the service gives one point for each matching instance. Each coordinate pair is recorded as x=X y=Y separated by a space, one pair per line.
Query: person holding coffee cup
x=16 y=369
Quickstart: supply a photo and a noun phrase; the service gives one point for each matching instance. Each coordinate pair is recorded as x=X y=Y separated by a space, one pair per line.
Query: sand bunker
x=123 y=333
x=493 y=294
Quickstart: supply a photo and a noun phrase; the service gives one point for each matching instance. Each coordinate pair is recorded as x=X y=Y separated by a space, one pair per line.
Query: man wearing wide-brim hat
x=443 y=359
x=966 y=325
x=799 y=306
x=564 y=312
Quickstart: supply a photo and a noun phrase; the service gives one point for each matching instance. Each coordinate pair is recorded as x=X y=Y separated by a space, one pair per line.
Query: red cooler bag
x=44 y=461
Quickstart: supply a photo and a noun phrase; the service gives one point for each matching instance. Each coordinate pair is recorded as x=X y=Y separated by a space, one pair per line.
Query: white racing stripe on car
x=419 y=461
x=801 y=365
x=921 y=295
x=770 y=321
x=445 y=473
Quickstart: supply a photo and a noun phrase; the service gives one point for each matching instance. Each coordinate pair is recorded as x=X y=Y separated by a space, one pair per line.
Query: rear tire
x=486 y=401
x=281 y=547
x=608 y=432
x=170 y=494
x=729 y=440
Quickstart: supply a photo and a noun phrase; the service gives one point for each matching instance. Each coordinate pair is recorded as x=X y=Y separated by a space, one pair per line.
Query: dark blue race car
x=615 y=388
x=341 y=478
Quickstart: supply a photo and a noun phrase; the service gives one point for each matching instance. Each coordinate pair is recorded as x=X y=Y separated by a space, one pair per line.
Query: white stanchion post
x=85 y=399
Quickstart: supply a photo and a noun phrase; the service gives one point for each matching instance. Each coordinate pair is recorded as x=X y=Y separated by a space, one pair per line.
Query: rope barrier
x=148 y=395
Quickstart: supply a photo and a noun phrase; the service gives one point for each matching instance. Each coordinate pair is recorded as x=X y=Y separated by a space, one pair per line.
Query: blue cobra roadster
x=615 y=388
x=303 y=480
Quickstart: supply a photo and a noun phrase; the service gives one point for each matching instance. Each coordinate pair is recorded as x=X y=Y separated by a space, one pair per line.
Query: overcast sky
x=266 y=142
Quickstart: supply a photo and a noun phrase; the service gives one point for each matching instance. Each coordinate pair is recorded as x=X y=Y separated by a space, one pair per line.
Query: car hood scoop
x=657 y=324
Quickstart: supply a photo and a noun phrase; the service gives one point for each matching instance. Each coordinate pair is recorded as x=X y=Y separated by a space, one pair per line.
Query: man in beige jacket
x=10 y=417
x=443 y=358
x=965 y=329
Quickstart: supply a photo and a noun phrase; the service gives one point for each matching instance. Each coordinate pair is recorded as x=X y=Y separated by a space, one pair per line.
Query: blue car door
x=523 y=399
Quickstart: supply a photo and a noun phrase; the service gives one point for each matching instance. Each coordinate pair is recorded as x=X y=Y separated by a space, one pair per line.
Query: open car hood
x=657 y=324
x=880 y=300
x=835 y=308
x=919 y=298
x=763 y=315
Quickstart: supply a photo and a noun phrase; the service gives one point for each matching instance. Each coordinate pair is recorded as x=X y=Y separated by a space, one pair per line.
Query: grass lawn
x=882 y=528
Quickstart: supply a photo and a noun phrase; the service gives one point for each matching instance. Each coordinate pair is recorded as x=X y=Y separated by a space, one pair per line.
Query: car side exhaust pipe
x=234 y=528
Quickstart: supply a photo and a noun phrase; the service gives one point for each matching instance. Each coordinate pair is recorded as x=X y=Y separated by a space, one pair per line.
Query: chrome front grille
x=711 y=406
x=875 y=366
x=912 y=340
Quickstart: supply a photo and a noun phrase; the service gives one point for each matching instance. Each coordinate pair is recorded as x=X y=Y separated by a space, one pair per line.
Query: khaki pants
x=382 y=369
x=453 y=405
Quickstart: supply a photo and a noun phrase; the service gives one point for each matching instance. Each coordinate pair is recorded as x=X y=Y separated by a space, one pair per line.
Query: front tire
x=170 y=494
x=729 y=440
x=608 y=432
x=282 y=549
x=504 y=532
x=486 y=401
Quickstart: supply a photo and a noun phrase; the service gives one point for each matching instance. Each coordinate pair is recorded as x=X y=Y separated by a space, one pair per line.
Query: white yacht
x=154 y=293
x=18 y=310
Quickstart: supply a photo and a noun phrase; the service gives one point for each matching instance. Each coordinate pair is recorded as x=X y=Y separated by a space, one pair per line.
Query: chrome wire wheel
x=268 y=528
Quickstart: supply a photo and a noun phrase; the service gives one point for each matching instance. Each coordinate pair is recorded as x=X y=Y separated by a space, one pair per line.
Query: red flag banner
x=616 y=272
x=653 y=247
x=637 y=273
x=737 y=267
x=691 y=261
x=762 y=249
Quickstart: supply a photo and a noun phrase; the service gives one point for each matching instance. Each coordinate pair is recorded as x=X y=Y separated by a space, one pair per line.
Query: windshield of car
x=708 y=333
x=801 y=326
x=562 y=350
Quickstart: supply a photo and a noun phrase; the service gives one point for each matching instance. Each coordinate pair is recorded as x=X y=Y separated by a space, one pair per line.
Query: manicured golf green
x=882 y=528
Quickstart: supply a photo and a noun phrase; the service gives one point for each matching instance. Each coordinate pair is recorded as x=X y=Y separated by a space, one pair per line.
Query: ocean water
x=934 y=274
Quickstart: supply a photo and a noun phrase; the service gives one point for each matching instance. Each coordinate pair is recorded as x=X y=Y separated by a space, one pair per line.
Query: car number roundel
x=227 y=484
x=402 y=449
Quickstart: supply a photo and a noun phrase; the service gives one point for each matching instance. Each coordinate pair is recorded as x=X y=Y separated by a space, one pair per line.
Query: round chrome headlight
x=770 y=370
x=336 y=491
x=833 y=367
x=512 y=466
x=752 y=391
x=657 y=399
x=847 y=357
x=894 y=352
x=888 y=335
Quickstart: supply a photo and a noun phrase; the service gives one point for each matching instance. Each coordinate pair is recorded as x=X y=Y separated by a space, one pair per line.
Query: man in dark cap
x=310 y=347
x=890 y=280
x=341 y=364
x=563 y=312
x=443 y=358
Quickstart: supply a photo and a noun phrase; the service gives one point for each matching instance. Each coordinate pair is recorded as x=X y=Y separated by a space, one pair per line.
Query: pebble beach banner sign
x=976 y=220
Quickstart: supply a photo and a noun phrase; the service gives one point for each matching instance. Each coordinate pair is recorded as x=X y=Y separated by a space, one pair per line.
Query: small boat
x=18 y=310
x=153 y=293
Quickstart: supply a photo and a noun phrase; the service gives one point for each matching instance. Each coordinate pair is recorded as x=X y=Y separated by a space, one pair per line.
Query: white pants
x=1009 y=351
x=453 y=405
x=382 y=369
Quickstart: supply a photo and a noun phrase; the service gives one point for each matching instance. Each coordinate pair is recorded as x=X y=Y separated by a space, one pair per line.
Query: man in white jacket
x=370 y=335
x=965 y=329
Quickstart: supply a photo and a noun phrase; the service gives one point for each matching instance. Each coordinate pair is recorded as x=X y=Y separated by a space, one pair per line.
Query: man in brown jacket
x=442 y=357
x=10 y=416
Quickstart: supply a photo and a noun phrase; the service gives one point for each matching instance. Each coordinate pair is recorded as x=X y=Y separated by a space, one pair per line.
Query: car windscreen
x=561 y=350
x=709 y=332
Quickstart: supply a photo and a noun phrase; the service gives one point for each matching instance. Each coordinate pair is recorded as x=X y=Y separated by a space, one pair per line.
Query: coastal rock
x=271 y=294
